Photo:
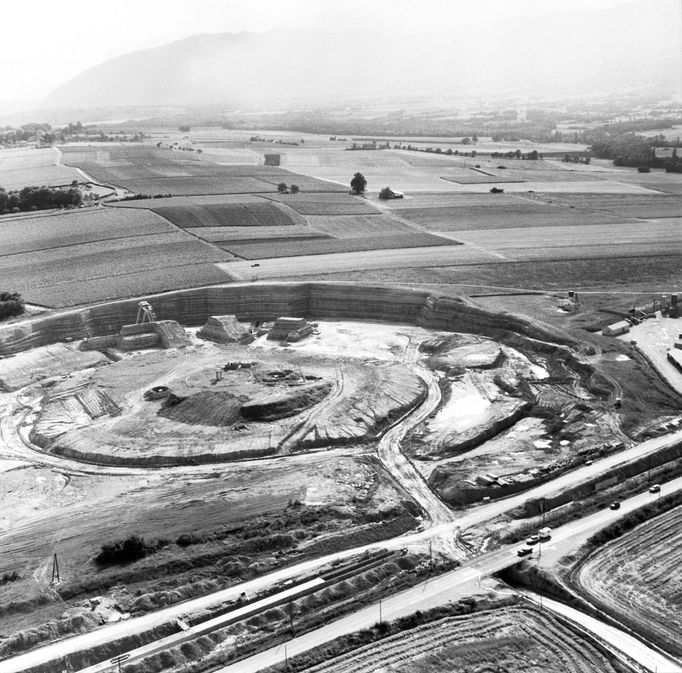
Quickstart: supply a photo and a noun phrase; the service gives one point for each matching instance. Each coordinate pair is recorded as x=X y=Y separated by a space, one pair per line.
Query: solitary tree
x=358 y=184
x=295 y=189
x=282 y=188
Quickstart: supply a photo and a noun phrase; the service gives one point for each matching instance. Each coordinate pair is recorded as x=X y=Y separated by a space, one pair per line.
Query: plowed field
x=516 y=639
x=637 y=578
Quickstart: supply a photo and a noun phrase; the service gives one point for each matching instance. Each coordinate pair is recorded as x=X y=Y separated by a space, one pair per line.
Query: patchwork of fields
x=225 y=211
x=99 y=254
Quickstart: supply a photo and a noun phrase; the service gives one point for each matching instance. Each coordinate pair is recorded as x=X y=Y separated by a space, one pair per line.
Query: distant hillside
x=622 y=46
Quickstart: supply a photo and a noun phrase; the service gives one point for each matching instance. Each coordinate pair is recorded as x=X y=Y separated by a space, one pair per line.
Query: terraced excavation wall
x=267 y=302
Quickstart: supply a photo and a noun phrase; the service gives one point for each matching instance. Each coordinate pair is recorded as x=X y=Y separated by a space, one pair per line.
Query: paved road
x=426 y=595
x=439 y=591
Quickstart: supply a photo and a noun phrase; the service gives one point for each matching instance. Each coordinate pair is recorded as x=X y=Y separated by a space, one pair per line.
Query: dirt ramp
x=41 y=363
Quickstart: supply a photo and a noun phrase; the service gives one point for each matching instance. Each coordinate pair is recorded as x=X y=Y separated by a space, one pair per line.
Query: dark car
x=614 y=505
x=524 y=551
x=656 y=488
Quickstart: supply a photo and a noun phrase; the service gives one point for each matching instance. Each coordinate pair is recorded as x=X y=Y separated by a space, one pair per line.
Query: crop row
x=289 y=248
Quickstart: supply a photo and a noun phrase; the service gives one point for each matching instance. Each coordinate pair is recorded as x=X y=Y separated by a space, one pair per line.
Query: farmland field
x=293 y=248
x=510 y=212
x=105 y=266
x=326 y=204
x=254 y=214
x=23 y=167
x=579 y=239
x=642 y=206
x=636 y=577
x=213 y=234
x=516 y=639
x=150 y=170
x=354 y=226
x=130 y=284
x=29 y=234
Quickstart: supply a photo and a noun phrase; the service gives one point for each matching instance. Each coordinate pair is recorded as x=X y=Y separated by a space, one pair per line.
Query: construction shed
x=616 y=328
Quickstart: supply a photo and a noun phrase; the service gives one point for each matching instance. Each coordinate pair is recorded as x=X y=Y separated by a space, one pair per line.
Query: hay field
x=27 y=167
x=515 y=638
x=637 y=578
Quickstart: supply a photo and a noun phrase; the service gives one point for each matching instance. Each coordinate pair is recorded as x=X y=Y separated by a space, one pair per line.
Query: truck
x=545 y=533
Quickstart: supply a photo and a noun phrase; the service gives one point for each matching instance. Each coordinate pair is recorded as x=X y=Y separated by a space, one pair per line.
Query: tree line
x=39 y=198
x=629 y=149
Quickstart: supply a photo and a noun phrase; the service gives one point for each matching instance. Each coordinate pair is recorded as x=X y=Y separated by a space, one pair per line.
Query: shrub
x=11 y=304
x=131 y=549
x=643 y=169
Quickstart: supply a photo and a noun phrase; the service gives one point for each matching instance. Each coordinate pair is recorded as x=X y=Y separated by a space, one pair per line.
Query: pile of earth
x=221 y=408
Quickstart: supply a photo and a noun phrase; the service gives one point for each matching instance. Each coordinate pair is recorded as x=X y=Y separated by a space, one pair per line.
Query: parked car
x=525 y=551
x=545 y=533
x=614 y=505
x=656 y=488
x=533 y=539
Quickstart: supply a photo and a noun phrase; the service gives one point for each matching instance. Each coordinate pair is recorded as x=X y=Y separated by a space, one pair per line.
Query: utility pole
x=291 y=617
x=55 y=570
x=380 y=615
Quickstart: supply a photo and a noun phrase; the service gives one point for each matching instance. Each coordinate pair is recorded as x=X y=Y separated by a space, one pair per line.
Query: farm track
x=491 y=630
x=635 y=578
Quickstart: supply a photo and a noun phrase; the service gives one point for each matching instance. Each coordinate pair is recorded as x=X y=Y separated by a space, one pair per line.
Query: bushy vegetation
x=131 y=549
x=11 y=304
x=9 y=577
x=39 y=198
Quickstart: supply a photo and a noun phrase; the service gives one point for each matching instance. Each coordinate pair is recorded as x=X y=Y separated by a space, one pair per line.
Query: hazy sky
x=46 y=42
